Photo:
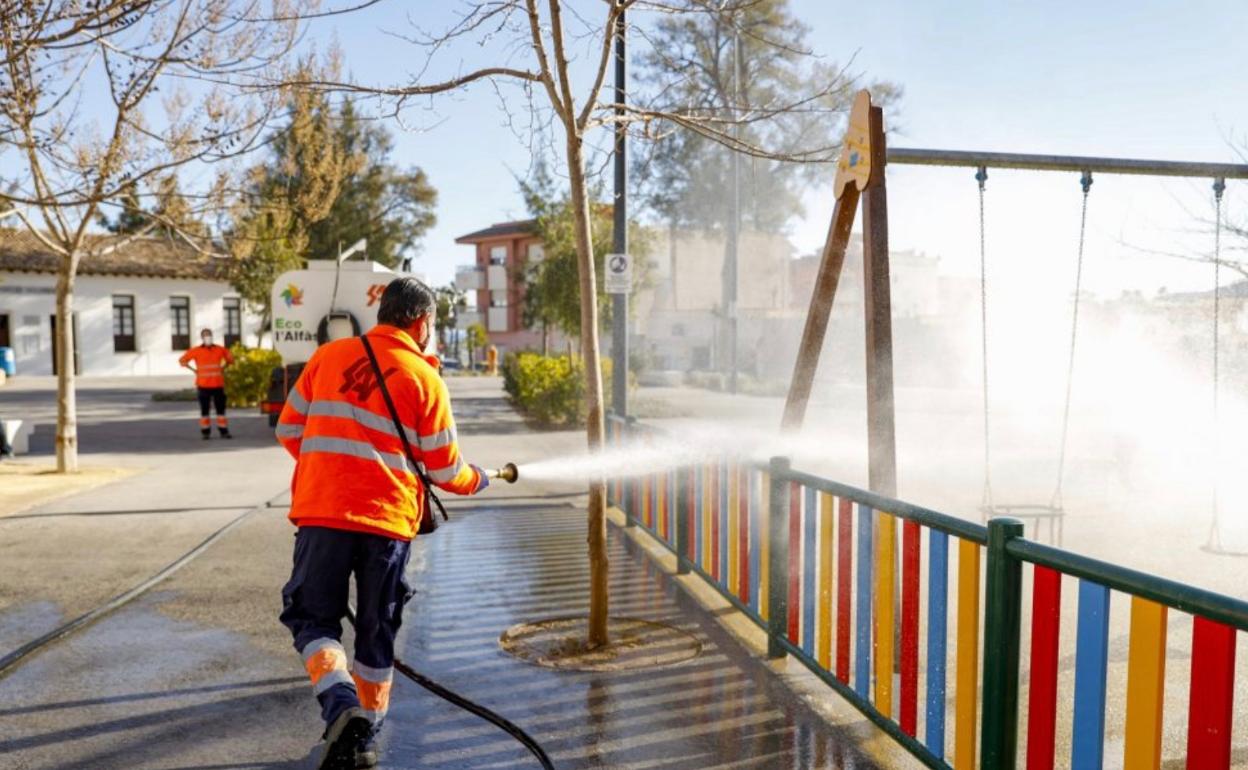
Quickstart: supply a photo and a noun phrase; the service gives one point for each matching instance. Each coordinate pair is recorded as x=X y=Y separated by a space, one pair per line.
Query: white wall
x=29 y=302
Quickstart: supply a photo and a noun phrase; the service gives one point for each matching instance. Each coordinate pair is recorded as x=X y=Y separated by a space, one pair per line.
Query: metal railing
x=814 y=563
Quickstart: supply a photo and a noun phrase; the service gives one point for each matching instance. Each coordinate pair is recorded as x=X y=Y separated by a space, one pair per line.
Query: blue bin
x=8 y=361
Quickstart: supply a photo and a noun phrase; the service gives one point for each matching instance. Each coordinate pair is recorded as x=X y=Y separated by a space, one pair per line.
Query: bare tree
x=97 y=99
x=537 y=42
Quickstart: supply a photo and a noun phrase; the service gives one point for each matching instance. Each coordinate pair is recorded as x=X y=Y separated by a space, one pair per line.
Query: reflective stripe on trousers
x=326 y=663
x=373 y=687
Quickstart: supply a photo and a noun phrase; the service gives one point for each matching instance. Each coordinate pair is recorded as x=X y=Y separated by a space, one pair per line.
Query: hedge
x=550 y=390
x=247 y=381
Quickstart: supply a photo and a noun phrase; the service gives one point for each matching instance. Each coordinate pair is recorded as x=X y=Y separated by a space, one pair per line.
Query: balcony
x=469 y=278
x=496 y=278
x=498 y=319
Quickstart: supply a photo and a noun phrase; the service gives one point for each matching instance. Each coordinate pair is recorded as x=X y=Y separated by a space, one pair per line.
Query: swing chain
x=1219 y=186
x=981 y=176
x=1085 y=182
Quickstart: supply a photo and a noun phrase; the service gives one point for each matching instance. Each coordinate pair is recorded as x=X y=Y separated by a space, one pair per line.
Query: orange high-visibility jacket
x=351 y=472
x=210 y=362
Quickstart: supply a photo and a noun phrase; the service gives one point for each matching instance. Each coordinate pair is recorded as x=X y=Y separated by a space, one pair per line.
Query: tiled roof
x=145 y=257
x=500 y=230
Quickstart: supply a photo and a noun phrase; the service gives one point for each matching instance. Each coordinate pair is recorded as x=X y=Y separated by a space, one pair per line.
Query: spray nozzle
x=508 y=473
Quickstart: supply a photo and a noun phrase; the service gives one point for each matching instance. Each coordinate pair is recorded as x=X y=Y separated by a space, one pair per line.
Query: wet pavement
x=507 y=564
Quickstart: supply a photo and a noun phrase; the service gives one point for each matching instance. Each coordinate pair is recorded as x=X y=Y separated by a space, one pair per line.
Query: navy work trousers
x=314 y=603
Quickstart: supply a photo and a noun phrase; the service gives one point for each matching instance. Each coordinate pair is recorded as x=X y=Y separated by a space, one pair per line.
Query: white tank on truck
x=327 y=300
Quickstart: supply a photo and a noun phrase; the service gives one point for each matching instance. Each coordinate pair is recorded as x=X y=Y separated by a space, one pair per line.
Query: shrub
x=550 y=390
x=247 y=381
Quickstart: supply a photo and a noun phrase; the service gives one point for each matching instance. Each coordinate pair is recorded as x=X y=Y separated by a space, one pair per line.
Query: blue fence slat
x=673 y=495
x=810 y=558
x=756 y=524
x=1091 y=658
x=937 y=639
x=862 y=623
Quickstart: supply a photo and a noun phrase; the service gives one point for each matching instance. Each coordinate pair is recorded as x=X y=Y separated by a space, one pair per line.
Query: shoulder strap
x=398 y=426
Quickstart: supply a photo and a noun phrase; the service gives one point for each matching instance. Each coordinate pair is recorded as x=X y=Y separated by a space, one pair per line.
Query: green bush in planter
x=549 y=389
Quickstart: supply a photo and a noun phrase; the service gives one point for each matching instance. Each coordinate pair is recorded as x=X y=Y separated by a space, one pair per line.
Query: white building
x=135 y=310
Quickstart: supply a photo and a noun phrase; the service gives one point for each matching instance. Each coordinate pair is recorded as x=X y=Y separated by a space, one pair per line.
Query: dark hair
x=404 y=301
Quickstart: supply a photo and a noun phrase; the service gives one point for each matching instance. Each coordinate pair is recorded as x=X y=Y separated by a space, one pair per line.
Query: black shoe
x=207 y=434
x=366 y=754
x=343 y=739
x=225 y=433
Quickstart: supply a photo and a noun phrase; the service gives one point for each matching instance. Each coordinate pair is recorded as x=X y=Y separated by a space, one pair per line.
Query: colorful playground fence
x=843 y=580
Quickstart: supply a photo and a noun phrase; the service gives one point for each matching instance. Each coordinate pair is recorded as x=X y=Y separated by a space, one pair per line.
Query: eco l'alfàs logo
x=293 y=295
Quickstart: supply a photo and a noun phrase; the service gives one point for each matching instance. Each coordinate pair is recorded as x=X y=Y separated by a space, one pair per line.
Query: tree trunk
x=66 y=401
x=599 y=596
x=545 y=339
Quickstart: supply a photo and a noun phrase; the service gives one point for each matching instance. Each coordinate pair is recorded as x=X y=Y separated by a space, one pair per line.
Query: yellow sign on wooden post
x=855 y=163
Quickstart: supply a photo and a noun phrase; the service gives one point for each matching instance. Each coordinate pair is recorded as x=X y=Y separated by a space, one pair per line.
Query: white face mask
x=206 y=339
x=429 y=345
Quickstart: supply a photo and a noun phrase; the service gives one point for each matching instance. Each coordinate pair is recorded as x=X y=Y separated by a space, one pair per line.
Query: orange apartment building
x=501 y=252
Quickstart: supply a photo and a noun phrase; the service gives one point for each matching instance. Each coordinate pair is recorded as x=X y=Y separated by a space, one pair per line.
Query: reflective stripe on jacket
x=210 y=362
x=351 y=472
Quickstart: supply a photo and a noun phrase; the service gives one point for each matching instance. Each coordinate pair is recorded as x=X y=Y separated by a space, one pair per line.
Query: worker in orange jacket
x=209 y=362
x=357 y=503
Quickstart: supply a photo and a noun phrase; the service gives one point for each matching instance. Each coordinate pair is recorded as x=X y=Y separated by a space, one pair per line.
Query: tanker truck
x=327 y=300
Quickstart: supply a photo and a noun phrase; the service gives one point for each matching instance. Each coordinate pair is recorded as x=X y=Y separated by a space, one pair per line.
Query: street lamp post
x=619 y=245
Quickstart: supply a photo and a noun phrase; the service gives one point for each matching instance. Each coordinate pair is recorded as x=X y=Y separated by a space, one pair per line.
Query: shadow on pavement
x=170 y=729
x=142 y=696
x=156 y=435
x=130 y=512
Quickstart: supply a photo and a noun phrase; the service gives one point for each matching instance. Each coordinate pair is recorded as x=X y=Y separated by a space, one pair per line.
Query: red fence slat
x=742 y=480
x=844 y=593
x=1046 y=616
x=795 y=562
x=1212 y=691
x=909 y=706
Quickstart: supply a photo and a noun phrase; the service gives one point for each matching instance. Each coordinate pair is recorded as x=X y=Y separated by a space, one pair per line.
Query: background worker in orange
x=210 y=361
x=358 y=502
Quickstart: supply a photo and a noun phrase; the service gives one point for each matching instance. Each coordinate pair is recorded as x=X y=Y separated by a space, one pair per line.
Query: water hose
x=476 y=709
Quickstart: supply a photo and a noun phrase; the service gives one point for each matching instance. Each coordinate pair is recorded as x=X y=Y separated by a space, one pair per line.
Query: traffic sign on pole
x=619 y=279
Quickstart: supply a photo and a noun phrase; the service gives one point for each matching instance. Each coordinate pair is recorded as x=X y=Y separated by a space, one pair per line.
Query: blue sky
x=1138 y=79
x=1147 y=79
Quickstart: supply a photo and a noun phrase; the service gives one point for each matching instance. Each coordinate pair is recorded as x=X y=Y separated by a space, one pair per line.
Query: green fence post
x=682 y=521
x=1002 y=628
x=630 y=434
x=778 y=558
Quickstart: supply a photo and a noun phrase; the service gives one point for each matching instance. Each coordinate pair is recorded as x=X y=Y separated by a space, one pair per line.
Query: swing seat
x=1053 y=515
